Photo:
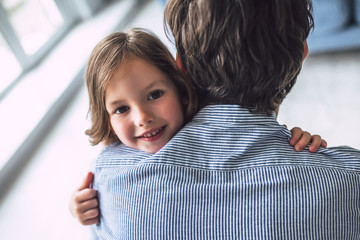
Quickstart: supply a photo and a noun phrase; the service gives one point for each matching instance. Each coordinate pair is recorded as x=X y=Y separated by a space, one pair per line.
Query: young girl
x=138 y=96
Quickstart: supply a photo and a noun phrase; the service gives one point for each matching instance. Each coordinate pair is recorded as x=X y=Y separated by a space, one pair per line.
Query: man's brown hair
x=246 y=52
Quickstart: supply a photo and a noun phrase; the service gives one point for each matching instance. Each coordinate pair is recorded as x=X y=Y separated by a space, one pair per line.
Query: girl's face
x=144 y=106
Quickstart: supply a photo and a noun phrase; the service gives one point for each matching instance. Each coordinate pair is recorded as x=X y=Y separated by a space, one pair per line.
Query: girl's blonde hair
x=116 y=49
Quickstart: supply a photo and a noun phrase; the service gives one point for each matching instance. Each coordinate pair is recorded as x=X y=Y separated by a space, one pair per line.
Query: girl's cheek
x=122 y=129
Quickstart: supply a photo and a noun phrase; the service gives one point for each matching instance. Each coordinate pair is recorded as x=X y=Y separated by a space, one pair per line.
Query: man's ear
x=180 y=66
x=306 y=50
x=277 y=110
x=178 y=63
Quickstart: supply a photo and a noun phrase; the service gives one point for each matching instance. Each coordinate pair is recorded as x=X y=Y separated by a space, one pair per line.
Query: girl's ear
x=306 y=50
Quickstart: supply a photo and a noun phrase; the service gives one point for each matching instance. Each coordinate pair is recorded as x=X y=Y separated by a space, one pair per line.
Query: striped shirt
x=229 y=174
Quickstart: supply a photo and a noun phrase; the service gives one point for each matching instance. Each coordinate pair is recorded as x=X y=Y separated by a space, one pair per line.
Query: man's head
x=238 y=51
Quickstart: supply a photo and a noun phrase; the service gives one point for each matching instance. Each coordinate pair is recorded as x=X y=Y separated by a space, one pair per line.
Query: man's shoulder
x=233 y=148
x=348 y=157
x=346 y=150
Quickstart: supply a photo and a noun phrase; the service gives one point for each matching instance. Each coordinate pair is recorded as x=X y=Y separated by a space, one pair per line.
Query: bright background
x=44 y=153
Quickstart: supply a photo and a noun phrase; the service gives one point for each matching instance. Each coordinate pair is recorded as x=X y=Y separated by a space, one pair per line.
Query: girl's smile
x=144 y=107
x=152 y=135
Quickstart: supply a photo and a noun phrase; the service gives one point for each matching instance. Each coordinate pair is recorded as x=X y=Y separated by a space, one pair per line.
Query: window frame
x=27 y=62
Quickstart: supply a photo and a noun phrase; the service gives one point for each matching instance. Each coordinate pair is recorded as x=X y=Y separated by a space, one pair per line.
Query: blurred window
x=34 y=21
x=12 y=69
x=29 y=29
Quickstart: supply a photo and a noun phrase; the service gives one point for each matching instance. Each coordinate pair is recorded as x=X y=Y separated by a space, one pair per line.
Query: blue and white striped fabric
x=229 y=174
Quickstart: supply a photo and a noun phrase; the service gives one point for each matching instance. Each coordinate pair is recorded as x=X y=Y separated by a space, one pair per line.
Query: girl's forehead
x=136 y=65
x=122 y=70
x=136 y=68
x=127 y=61
x=132 y=63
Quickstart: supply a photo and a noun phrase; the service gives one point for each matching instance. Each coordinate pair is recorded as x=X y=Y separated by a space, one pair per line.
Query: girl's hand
x=300 y=139
x=84 y=205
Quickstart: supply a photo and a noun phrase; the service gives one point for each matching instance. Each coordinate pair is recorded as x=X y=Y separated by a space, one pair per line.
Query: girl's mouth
x=153 y=134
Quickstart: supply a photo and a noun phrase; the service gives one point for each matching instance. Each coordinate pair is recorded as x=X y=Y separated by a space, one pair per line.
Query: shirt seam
x=355 y=172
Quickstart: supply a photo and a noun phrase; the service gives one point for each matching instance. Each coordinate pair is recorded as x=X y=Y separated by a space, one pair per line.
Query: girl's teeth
x=153 y=133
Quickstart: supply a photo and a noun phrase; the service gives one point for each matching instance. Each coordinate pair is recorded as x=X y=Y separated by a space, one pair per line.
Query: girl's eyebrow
x=115 y=103
x=151 y=85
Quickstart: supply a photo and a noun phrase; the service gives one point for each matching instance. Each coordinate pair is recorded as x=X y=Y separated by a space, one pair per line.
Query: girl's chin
x=155 y=150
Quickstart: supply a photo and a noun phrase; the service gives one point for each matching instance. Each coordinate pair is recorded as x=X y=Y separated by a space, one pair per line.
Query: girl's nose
x=143 y=118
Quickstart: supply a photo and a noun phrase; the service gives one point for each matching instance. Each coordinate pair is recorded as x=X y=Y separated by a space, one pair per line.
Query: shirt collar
x=227 y=114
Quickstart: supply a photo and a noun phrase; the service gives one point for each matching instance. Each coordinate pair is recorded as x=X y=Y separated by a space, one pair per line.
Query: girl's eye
x=155 y=95
x=122 y=110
